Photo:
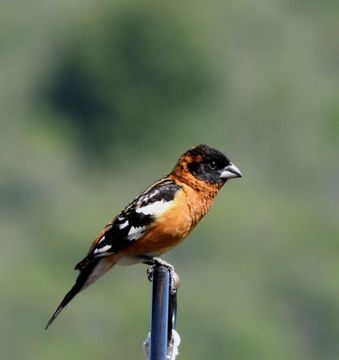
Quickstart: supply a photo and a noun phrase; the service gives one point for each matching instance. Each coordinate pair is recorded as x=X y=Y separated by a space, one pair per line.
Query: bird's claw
x=150 y=272
x=174 y=278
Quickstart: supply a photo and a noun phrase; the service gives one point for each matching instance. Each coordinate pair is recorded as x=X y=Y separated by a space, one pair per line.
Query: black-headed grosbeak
x=158 y=219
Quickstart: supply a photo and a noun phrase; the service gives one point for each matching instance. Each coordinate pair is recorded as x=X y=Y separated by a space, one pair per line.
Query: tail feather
x=89 y=259
x=77 y=287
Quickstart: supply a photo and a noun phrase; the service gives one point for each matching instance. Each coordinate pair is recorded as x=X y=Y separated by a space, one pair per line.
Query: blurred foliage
x=126 y=79
x=98 y=99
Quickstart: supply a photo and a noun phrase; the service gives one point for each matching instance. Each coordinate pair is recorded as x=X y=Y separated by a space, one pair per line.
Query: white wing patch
x=102 y=250
x=155 y=209
x=123 y=225
x=135 y=232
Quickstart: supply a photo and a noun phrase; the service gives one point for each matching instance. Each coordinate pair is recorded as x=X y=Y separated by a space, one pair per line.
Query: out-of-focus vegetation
x=98 y=99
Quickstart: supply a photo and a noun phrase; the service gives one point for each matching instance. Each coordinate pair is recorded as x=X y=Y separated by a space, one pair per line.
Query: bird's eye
x=212 y=164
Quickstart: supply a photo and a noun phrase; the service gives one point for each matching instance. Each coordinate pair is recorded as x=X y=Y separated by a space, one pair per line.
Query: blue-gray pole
x=159 y=320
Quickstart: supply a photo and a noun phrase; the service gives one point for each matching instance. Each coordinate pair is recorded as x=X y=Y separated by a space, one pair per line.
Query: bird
x=158 y=219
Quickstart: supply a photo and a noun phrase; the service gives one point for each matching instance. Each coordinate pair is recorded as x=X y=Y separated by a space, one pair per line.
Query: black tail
x=80 y=282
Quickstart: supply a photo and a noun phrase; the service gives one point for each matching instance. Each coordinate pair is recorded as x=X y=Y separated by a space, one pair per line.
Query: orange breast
x=172 y=226
x=166 y=232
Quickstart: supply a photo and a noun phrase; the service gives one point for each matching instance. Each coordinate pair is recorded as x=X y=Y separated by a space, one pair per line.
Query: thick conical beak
x=230 y=172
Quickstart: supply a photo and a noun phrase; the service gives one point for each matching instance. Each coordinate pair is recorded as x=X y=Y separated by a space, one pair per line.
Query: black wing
x=134 y=220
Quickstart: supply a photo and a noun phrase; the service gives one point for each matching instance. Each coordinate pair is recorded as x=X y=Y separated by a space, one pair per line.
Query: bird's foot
x=157 y=261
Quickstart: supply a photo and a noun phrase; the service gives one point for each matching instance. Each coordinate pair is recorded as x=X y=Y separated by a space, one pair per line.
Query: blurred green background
x=98 y=99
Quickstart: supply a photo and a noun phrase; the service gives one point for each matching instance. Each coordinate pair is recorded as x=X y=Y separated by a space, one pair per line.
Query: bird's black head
x=211 y=165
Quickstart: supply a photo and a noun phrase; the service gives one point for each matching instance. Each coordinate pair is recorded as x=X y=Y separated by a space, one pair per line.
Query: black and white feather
x=135 y=219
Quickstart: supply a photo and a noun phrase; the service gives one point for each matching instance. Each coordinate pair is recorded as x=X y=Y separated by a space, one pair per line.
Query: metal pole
x=159 y=321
